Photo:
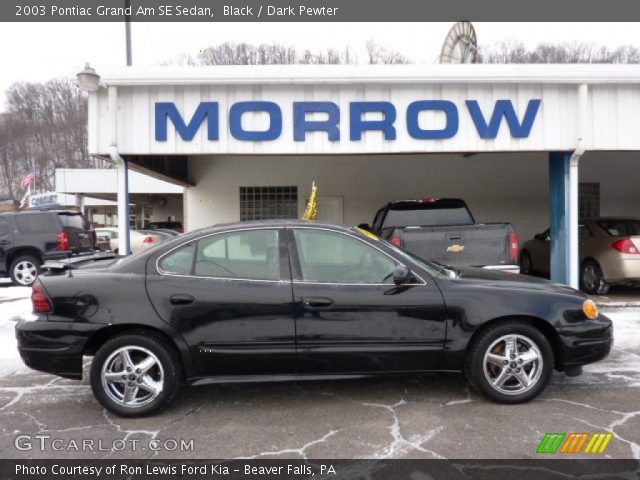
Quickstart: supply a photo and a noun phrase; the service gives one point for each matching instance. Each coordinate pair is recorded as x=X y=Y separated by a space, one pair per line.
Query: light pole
x=127 y=30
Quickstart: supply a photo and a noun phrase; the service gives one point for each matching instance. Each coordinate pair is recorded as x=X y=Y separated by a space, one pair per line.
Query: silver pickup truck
x=444 y=230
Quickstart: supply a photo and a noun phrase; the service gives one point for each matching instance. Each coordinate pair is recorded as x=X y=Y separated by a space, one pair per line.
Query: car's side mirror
x=541 y=236
x=365 y=226
x=401 y=275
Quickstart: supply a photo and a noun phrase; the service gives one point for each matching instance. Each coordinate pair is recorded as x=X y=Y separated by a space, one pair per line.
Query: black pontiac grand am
x=293 y=300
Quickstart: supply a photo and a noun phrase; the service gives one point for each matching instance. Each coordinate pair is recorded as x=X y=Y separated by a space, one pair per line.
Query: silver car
x=609 y=253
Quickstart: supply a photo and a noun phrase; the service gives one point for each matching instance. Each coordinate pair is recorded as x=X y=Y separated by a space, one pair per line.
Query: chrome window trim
x=168 y=274
x=349 y=234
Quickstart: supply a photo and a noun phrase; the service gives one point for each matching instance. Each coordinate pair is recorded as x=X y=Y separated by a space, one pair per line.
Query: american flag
x=28 y=178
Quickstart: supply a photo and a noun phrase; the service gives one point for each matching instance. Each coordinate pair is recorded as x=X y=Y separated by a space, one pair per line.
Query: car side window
x=180 y=261
x=332 y=257
x=4 y=227
x=247 y=254
x=35 y=223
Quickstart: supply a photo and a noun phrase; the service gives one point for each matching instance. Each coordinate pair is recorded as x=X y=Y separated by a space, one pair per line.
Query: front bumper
x=586 y=342
x=54 y=347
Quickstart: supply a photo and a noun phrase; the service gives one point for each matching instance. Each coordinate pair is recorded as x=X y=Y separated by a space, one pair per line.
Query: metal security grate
x=265 y=203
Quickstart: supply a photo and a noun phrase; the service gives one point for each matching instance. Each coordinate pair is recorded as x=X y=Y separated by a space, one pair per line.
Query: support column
x=563 y=202
x=124 y=247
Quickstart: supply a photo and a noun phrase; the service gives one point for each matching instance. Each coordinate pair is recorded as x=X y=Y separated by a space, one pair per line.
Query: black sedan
x=293 y=300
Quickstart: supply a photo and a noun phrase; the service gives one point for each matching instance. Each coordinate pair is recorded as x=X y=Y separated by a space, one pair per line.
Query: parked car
x=609 y=253
x=27 y=239
x=139 y=239
x=177 y=226
x=445 y=231
x=167 y=231
x=293 y=300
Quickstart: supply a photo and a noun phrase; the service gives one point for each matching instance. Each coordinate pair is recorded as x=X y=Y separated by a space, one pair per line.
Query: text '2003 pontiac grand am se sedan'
x=294 y=300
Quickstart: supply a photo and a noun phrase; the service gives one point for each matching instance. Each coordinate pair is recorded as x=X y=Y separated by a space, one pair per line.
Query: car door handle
x=317 y=303
x=4 y=242
x=181 y=299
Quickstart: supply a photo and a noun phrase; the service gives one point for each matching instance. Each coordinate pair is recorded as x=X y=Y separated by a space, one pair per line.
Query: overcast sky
x=40 y=51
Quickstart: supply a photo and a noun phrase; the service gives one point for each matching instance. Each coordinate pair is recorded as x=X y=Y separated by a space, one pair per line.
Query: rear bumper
x=621 y=268
x=54 y=347
x=586 y=343
x=504 y=268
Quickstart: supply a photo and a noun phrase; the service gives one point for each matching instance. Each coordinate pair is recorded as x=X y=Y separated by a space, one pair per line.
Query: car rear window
x=432 y=214
x=620 y=227
x=30 y=223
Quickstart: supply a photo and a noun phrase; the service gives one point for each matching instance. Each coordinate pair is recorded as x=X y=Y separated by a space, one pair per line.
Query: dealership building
x=534 y=145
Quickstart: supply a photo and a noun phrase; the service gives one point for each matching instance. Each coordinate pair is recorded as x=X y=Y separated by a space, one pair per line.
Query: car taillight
x=625 y=245
x=397 y=241
x=513 y=247
x=39 y=299
x=148 y=240
x=63 y=240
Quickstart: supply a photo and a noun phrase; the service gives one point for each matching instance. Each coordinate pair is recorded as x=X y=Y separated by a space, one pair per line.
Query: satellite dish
x=460 y=45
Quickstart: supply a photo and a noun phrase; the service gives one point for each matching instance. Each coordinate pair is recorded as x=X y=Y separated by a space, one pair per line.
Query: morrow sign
x=486 y=123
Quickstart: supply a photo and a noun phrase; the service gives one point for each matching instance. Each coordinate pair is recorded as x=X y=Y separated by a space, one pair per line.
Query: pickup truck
x=445 y=231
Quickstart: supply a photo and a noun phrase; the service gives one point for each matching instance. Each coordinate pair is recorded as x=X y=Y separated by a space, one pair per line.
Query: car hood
x=510 y=280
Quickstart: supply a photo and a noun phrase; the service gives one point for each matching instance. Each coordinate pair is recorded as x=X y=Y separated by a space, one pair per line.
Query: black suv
x=27 y=239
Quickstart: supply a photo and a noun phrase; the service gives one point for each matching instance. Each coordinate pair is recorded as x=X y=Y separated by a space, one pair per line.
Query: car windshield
x=429 y=265
x=620 y=227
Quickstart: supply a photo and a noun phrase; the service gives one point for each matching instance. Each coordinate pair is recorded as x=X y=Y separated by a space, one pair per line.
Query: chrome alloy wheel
x=25 y=272
x=513 y=364
x=132 y=376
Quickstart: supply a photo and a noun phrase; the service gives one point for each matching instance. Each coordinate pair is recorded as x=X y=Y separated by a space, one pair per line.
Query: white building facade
x=517 y=142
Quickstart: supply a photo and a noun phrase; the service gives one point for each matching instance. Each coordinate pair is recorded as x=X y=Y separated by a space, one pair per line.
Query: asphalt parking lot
x=434 y=416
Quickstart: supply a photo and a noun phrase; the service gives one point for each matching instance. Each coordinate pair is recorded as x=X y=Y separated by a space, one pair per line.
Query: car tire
x=526 y=265
x=136 y=373
x=24 y=270
x=592 y=279
x=506 y=383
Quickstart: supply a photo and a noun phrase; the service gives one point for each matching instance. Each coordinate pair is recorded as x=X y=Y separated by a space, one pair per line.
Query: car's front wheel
x=135 y=374
x=510 y=362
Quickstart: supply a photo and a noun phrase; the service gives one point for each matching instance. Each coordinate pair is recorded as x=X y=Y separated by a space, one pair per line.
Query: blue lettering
x=168 y=110
x=451 y=126
x=503 y=108
x=358 y=125
x=240 y=108
x=301 y=125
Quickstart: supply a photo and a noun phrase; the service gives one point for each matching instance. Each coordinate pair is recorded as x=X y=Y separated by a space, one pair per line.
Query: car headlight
x=590 y=309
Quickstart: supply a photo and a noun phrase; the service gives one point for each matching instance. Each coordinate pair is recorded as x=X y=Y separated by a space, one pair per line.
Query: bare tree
x=377 y=54
x=229 y=53
x=512 y=51
x=44 y=127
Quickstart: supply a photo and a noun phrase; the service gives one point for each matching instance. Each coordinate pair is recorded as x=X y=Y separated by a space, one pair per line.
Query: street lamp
x=88 y=79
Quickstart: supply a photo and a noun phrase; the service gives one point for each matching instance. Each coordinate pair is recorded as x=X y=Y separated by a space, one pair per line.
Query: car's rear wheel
x=135 y=374
x=510 y=362
x=526 y=265
x=592 y=278
x=24 y=270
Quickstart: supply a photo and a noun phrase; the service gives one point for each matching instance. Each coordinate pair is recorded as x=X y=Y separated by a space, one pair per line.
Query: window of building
x=266 y=203
x=589 y=200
